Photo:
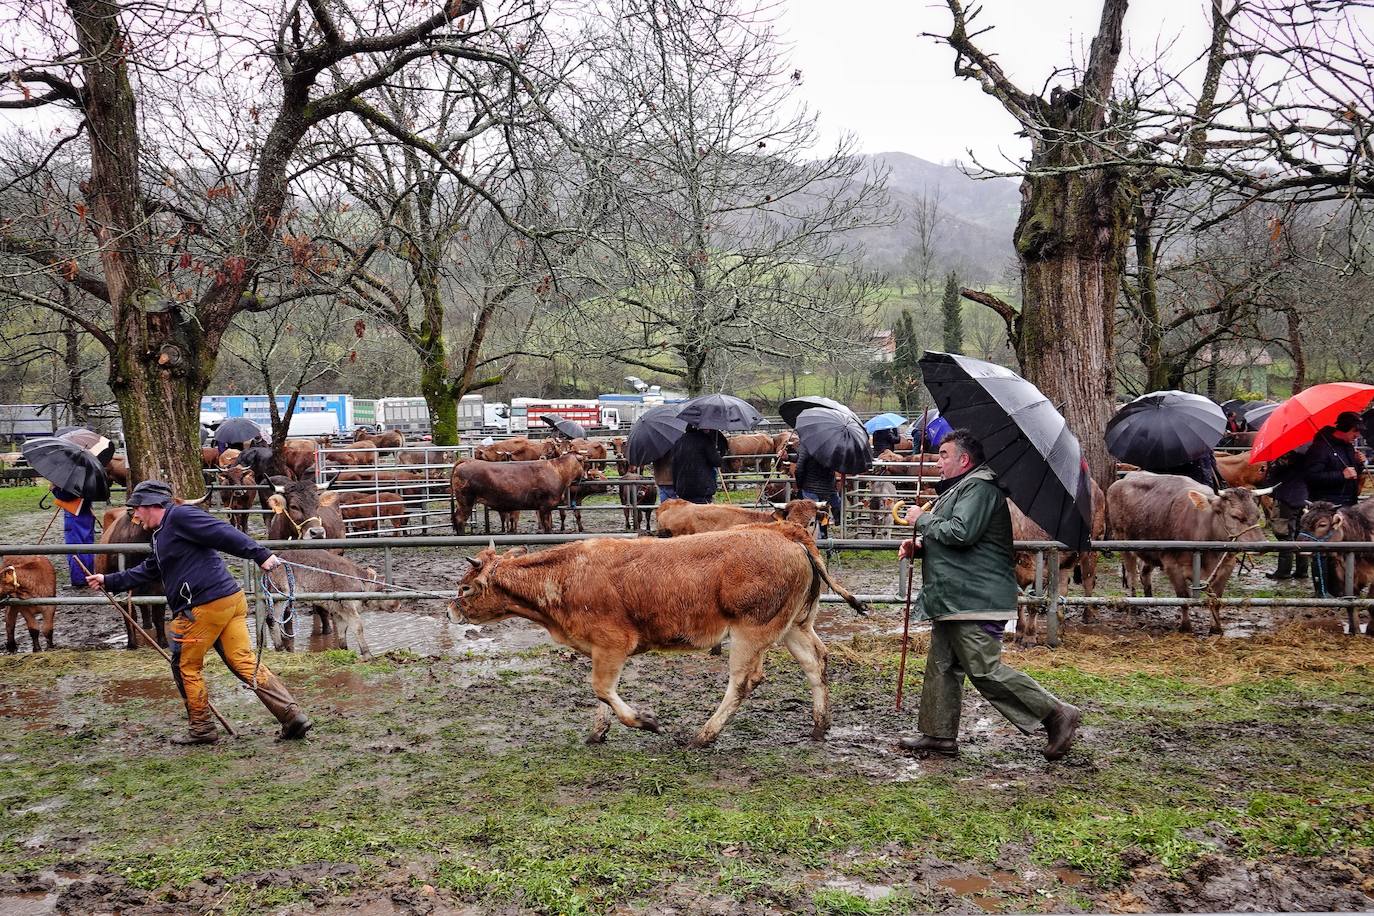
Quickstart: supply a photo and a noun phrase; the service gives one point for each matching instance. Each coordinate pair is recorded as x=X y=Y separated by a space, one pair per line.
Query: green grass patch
x=16 y=500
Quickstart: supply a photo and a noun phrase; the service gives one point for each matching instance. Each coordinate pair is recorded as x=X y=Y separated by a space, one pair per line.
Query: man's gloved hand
x=271 y=563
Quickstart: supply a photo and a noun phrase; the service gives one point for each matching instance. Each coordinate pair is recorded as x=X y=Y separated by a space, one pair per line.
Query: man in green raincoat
x=968 y=593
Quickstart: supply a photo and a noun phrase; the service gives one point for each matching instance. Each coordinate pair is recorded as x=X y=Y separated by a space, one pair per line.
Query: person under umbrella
x=78 y=527
x=969 y=589
x=564 y=427
x=695 y=458
x=651 y=442
x=78 y=480
x=237 y=432
x=884 y=429
x=722 y=412
x=1170 y=432
x=1331 y=470
x=829 y=442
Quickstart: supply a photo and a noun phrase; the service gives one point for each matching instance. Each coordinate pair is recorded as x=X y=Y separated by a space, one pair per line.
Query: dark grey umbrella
x=1256 y=412
x=654 y=434
x=723 y=412
x=1026 y=441
x=1164 y=429
x=68 y=466
x=103 y=449
x=564 y=426
x=790 y=410
x=236 y=430
x=836 y=439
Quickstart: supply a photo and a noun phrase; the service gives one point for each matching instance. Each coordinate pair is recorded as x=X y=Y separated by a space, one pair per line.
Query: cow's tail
x=822 y=575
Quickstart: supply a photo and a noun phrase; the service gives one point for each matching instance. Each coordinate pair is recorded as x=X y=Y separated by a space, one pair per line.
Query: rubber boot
x=280 y=703
x=1300 y=569
x=1285 y=570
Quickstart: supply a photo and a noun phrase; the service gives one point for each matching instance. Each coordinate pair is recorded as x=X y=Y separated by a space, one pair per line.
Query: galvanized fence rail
x=1043 y=596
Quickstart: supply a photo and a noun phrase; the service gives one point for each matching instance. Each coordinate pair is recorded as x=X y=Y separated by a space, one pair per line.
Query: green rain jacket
x=967 y=558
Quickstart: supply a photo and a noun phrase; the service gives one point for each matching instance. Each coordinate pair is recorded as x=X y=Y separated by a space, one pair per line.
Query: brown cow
x=302 y=509
x=297 y=458
x=117 y=469
x=209 y=456
x=638 y=497
x=239 y=500
x=118 y=527
x=1324 y=521
x=593 y=484
x=1237 y=470
x=622 y=462
x=613 y=598
x=25 y=576
x=387 y=438
x=352 y=453
x=341 y=575
x=364 y=510
x=1167 y=507
x=677 y=517
x=509 y=486
x=1085 y=563
x=517 y=449
x=748 y=450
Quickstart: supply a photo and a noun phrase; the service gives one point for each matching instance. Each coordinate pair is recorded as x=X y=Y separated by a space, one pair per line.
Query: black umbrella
x=654 y=434
x=236 y=430
x=836 y=439
x=103 y=449
x=1254 y=413
x=68 y=466
x=1027 y=441
x=564 y=426
x=1164 y=429
x=720 y=412
x=792 y=409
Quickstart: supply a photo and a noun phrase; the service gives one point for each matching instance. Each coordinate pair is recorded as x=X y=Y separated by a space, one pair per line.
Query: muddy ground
x=449 y=775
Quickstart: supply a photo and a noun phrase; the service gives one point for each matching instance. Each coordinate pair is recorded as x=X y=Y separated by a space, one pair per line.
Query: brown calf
x=613 y=598
x=1324 y=521
x=1070 y=561
x=364 y=510
x=678 y=516
x=1237 y=470
x=118 y=527
x=27 y=576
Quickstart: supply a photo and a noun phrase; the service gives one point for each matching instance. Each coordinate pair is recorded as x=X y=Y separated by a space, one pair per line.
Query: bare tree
x=184 y=200
x=729 y=232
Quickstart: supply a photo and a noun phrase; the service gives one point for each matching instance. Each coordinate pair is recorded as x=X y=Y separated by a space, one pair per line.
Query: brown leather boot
x=1062 y=726
x=279 y=702
x=200 y=732
x=926 y=745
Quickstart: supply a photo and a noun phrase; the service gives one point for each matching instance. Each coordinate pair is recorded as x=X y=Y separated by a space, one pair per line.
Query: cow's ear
x=1337 y=521
x=329 y=499
x=1198 y=500
x=277 y=503
x=330 y=482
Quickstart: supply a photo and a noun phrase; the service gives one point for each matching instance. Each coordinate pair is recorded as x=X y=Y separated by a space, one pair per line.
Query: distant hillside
x=979 y=217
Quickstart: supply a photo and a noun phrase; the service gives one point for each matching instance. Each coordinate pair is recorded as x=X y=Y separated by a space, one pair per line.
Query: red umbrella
x=1297 y=420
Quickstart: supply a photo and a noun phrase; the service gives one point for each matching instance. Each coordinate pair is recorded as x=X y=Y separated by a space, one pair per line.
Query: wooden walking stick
x=128 y=617
x=898 y=516
x=42 y=537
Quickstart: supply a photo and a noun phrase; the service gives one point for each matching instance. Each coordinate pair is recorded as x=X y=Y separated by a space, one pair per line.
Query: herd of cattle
x=539 y=476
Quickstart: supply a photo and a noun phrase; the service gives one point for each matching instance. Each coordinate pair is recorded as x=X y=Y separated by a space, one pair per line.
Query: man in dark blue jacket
x=1332 y=468
x=695 y=459
x=208 y=606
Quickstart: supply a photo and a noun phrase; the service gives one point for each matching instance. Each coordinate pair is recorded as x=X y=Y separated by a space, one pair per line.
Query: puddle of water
x=28 y=904
x=386 y=630
x=1069 y=876
x=142 y=688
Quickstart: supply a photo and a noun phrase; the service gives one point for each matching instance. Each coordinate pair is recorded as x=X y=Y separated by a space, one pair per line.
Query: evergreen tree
x=904 y=371
x=952 y=310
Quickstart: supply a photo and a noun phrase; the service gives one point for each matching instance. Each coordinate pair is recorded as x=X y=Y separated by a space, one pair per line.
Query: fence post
x=1051 y=572
x=1351 y=614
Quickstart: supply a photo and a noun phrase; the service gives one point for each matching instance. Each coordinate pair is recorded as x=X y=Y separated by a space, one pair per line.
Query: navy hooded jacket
x=184 y=558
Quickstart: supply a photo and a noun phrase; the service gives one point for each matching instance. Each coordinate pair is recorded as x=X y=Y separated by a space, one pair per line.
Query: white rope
x=377 y=582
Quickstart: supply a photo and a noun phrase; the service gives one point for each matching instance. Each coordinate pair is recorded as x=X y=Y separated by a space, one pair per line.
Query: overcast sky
x=867 y=69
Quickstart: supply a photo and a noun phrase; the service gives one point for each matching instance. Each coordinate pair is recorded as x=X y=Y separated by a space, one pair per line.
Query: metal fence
x=1043 y=596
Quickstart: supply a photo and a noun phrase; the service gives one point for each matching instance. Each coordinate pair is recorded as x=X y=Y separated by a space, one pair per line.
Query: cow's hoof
x=648 y=721
x=701 y=741
x=11 y=647
x=819 y=732
x=597 y=736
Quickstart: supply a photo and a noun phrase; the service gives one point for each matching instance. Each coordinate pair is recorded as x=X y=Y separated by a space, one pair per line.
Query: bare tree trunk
x=1295 y=348
x=76 y=387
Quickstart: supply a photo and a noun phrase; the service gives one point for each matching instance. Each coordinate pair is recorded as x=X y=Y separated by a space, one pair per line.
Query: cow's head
x=808 y=513
x=9 y=582
x=302 y=502
x=1321 y=521
x=479 y=599
x=1234 y=515
x=381 y=604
